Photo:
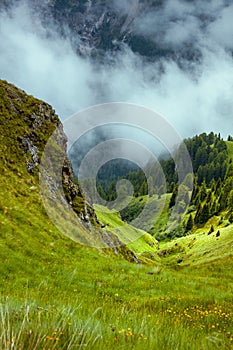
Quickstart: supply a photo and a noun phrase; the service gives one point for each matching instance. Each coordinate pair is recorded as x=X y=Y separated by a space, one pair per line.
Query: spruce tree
x=189 y=224
x=198 y=213
x=205 y=214
x=173 y=197
x=211 y=230
x=203 y=191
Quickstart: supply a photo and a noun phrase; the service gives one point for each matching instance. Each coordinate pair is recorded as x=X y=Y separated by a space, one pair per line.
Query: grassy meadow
x=56 y=294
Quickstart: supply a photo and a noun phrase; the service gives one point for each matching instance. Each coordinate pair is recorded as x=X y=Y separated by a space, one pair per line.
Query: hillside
x=59 y=294
x=211 y=196
x=26 y=125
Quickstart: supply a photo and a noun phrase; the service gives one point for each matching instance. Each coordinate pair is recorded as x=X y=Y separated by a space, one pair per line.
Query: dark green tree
x=189 y=224
x=173 y=197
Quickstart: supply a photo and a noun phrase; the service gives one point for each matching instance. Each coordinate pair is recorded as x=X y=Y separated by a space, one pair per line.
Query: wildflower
x=121 y=331
x=48 y=337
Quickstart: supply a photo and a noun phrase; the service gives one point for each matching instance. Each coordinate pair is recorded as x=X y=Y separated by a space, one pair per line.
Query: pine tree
x=211 y=230
x=101 y=191
x=195 y=194
x=230 y=201
x=143 y=189
x=205 y=214
x=213 y=186
x=173 y=197
x=151 y=190
x=218 y=187
x=203 y=191
x=209 y=197
x=189 y=224
x=198 y=213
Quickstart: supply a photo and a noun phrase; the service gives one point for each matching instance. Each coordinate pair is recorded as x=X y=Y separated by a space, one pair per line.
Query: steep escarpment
x=27 y=125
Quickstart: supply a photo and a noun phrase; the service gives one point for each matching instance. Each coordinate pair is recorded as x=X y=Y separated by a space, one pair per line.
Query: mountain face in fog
x=153 y=29
x=106 y=25
x=98 y=26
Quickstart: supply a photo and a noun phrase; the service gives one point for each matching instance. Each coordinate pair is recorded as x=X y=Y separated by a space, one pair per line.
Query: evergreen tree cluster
x=209 y=157
x=215 y=199
x=116 y=170
x=213 y=186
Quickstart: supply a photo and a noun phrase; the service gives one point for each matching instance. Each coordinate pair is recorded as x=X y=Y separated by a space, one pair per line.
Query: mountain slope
x=100 y=26
x=58 y=294
x=26 y=125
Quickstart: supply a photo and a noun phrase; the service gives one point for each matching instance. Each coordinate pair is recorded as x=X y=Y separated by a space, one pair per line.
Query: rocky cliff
x=26 y=125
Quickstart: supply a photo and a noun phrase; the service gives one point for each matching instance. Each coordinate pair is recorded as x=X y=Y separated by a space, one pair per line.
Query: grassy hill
x=58 y=294
x=142 y=243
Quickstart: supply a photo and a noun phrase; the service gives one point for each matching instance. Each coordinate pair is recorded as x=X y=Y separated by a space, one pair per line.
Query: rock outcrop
x=26 y=128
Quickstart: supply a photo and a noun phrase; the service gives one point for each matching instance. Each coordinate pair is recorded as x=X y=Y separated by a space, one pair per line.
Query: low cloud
x=41 y=62
x=195 y=99
x=221 y=30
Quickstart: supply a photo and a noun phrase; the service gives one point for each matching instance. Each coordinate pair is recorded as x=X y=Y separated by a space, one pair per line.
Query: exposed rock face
x=102 y=26
x=44 y=114
x=38 y=121
x=31 y=153
x=97 y=27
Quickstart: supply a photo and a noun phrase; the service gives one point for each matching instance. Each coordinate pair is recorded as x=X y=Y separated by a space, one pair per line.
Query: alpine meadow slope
x=59 y=294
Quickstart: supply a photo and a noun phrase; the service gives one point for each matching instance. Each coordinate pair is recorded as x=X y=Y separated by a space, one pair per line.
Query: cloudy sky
x=195 y=98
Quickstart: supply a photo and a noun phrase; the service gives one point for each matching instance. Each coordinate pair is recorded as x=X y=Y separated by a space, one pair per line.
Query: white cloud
x=42 y=63
x=193 y=101
x=182 y=31
x=221 y=30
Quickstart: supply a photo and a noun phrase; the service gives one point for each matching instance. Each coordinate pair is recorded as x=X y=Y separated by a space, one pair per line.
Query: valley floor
x=56 y=294
x=102 y=302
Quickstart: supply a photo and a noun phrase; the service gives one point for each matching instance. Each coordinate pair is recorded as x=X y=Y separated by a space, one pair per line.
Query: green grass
x=137 y=240
x=200 y=248
x=58 y=294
